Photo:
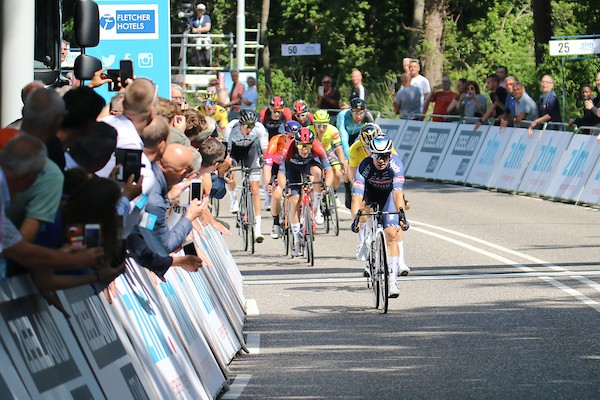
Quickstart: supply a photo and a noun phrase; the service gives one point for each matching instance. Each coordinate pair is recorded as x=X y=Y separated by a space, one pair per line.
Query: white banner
x=408 y=141
x=391 y=127
x=489 y=156
x=11 y=385
x=431 y=149
x=550 y=149
x=462 y=153
x=515 y=159
x=574 y=168
x=591 y=192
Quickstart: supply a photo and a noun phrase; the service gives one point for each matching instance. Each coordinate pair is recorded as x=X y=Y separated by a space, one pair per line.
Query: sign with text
x=406 y=143
x=591 y=192
x=575 y=47
x=431 y=150
x=391 y=127
x=301 y=49
x=462 y=152
x=489 y=156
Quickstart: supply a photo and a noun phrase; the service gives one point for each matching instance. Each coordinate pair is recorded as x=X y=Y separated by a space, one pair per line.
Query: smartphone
x=75 y=236
x=321 y=91
x=92 y=235
x=190 y=249
x=113 y=75
x=196 y=190
x=131 y=164
x=126 y=71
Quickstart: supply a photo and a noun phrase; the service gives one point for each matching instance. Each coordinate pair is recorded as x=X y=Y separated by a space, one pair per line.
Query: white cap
x=200 y=7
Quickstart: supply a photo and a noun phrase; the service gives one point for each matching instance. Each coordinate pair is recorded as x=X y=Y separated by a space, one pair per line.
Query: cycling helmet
x=300 y=107
x=381 y=144
x=304 y=136
x=209 y=96
x=248 y=116
x=321 y=117
x=292 y=127
x=277 y=102
x=358 y=104
x=368 y=132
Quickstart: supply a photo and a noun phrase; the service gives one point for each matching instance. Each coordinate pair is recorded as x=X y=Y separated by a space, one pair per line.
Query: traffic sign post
x=299 y=49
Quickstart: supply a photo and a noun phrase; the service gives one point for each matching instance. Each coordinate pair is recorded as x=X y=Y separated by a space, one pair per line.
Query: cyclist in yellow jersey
x=209 y=107
x=329 y=136
x=360 y=149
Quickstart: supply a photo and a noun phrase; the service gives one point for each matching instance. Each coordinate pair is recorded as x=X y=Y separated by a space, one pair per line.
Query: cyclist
x=304 y=155
x=246 y=140
x=301 y=113
x=274 y=116
x=349 y=123
x=329 y=136
x=273 y=157
x=210 y=108
x=380 y=179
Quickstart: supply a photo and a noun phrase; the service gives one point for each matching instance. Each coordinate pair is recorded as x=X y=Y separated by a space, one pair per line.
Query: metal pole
x=241 y=34
x=563 y=89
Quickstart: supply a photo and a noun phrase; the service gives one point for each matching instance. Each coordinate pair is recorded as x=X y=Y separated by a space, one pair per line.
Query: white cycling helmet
x=380 y=144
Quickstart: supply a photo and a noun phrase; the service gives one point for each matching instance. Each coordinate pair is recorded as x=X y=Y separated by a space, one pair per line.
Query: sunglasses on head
x=248 y=126
x=210 y=103
x=381 y=156
x=304 y=146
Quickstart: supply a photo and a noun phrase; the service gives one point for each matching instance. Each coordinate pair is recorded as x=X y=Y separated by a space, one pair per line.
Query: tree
x=542 y=27
x=433 y=43
x=264 y=37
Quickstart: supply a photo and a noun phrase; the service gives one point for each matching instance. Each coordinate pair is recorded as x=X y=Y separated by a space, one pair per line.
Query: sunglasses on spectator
x=324 y=82
x=302 y=146
x=177 y=98
x=382 y=156
x=321 y=126
x=210 y=103
x=301 y=115
x=248 y=126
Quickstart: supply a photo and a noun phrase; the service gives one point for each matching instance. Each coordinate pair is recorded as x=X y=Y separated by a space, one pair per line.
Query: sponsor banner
x=489 y=156
x=431 y=149
x=406 y=145
x=41 y=345
x=575 y=168
x=391 y=127
x=591 y=192
x=462 y=153
x=106 y=354
x=11 y=385
x=183 y=316
x=515 y=159
x=229 y=264
x=153 y=337
x=550 y=149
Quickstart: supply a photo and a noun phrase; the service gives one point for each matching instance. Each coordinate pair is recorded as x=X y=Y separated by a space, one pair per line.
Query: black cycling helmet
x=248 y=116
x=304 y=136
x=358 y=104
x=292 y=127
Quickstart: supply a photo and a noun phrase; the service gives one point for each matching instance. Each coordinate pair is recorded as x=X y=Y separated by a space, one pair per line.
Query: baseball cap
x=201 y=7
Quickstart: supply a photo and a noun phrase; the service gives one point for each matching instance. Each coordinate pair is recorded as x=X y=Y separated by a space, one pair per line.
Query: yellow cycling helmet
x=321 y=117
x=209 y=96
x=368 y=132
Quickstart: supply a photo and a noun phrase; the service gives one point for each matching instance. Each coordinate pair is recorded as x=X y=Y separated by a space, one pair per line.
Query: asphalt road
x=503 y=302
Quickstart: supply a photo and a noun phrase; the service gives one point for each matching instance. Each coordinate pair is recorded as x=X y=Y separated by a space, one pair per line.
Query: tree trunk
x=433 y=49
x=417 y=25
x=264 y=39
x=542 y=27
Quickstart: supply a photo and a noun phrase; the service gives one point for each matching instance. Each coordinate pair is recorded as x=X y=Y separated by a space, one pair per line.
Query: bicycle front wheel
x=251 y=220
x=333 y=211
x=372 y=263
x=243 y=220
x=308 y=236
x=384 y=273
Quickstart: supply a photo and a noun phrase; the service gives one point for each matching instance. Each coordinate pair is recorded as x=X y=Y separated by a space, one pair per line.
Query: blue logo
x=107 y=22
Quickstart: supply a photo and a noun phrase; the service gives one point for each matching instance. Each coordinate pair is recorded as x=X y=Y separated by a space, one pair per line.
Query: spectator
x=442 y=98
x=177 y=125
x=92 y=150
x=235 y=95
x=525 y=107
x=472 y=104
x=27 y=89
x=200 y=23
x=502 y=73
x=408 y=99
x=155 y=137
x=358 y=90
x=250 y=96
x=330 y=98
x=593 y=105
x=589 y=118
x=406 y=64
x=461 y=88
x=548 y=107
x=178 y=97
x=510 y=104
x=498 y=98
x=116 y=104
x=419 y=81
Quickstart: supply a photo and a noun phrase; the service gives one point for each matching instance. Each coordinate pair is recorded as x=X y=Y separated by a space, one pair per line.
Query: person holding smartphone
x=328 y=97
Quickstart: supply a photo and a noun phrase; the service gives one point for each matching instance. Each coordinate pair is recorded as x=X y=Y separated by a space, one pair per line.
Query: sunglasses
x=302 y=146
x=276 y=110
x=320 y=126
x=324 y=82
x=210 y=103
x=248 y=126
x=382 y=156
x=358 y=113
x=301 y=115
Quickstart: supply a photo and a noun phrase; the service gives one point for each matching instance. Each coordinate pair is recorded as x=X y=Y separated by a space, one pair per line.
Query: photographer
x=200 y=23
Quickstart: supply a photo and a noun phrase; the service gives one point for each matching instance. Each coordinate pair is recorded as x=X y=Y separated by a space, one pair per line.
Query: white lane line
x=252 y=307
x=253 y=343
x=238 y=385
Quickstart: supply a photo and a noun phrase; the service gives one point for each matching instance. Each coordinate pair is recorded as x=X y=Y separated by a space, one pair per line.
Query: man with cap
x=200 y=23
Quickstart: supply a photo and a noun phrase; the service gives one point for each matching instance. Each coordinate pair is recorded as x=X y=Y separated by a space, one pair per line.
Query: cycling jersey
x=294 y=165
x=276 y=148
x=234 y=136
x=331 y=137
x=359 y=153
x=349 y=130
x=274 y=126
x=220 y=115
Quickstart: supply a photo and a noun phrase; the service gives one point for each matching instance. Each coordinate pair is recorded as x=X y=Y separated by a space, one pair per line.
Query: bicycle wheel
x=242 y=217
x=309 y=235
x=285 y=233
x=250 y=221
x=384 y=273
x=333 y=211
x=372 y=262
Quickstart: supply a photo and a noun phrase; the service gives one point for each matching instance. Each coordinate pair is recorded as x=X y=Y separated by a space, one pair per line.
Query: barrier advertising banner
x=575 y=168
x=515 y=159
x=42 y=346
x=591 y=192
x=119 y=374
x=391 y=127
x=461 y=153
x=489 y=155
x=11 y=385
x=431 y=150
x=409 y=139
x=550 y=149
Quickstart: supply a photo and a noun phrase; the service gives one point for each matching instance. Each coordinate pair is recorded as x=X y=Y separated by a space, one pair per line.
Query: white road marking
x=238 y=385
x=253 y=343
x=252 y=307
